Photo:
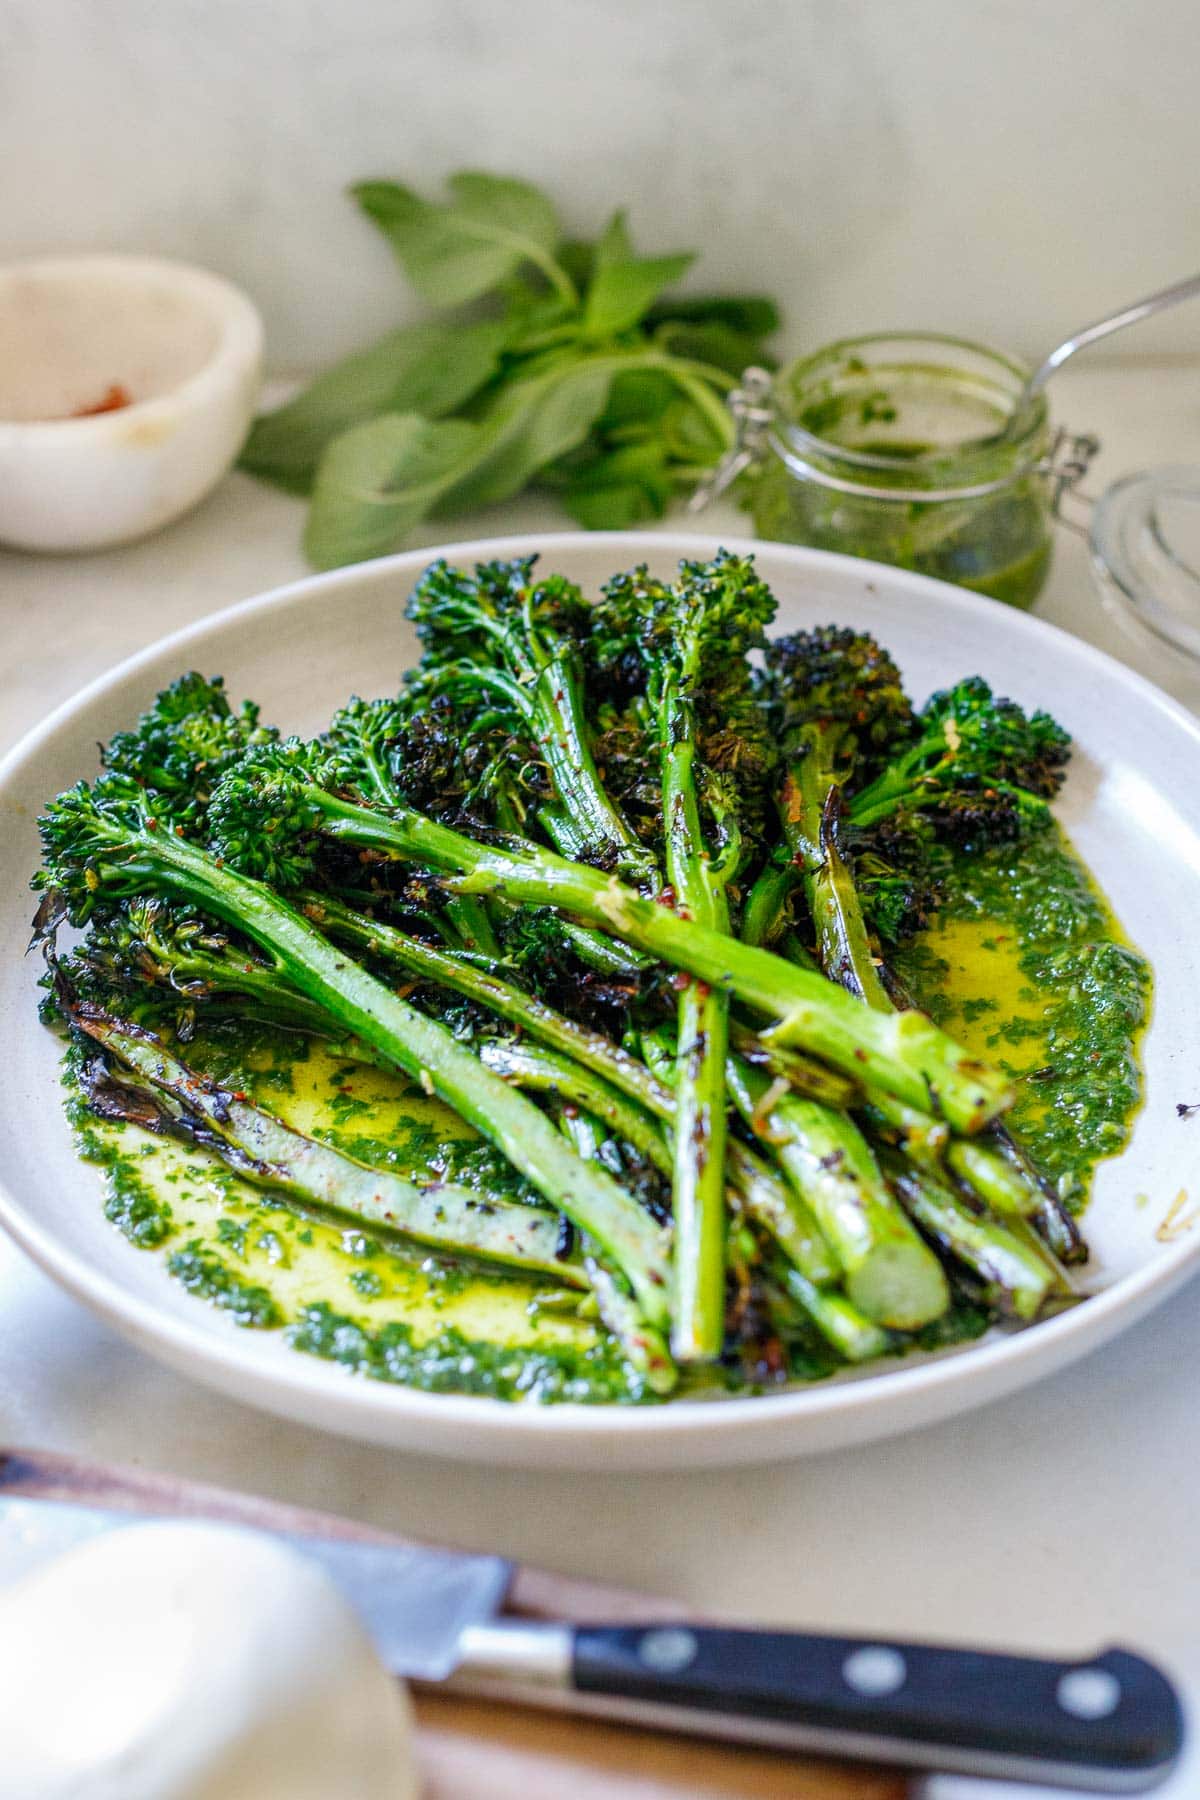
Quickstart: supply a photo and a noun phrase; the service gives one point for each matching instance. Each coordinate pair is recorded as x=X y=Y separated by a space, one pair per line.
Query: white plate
x=1132 y=804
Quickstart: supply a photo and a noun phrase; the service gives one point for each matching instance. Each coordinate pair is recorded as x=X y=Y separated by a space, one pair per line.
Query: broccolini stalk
x=890 y=1275
x=691 y=637
x=801 y=1072
x=110 y=843
x=766 y=913
x=263 y=1150
x=362 y=732
x=838 y=704
x=840 y=1323
x=1017 y=1195
x=509 y=1002
x=1016 y=1273
x=510 y=645
x=544 y=1071
x=756 y=1188
x=383 y=751
x=272 y=810
x=763 y=1196
x=645 y=1347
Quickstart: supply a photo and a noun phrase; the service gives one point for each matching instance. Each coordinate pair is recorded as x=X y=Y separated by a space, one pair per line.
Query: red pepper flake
x=114 y=399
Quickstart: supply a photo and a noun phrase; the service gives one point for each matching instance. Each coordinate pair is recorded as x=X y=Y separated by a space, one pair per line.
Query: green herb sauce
x=1027 y=965
x=998 y=543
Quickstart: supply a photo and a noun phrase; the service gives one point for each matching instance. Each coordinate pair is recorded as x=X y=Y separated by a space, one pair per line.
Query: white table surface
x=1062 y=1519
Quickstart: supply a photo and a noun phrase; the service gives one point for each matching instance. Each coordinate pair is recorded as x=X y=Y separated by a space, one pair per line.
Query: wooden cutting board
x=468 y=1749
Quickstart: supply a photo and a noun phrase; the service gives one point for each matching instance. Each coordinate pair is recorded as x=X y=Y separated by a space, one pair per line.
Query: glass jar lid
x=1145 y=547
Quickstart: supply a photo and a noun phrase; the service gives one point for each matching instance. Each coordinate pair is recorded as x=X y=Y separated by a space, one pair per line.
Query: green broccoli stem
x=766 y=909
x=1058 y=1226
x=698 y=1175
x=921 y=1137
x=560 y=732
x=982 y=1169
x=854 y=1337
x=1022 y=1205
x=902 y=781
x=844 y=943
x=543 y=1071
x=995 y=1181
x=603 y=954
x=549 y=709
x=420 y=1048
x=902 y=1053
x=890 y=1275
x=809 y=805
x=1016 y=1274
x=702 y=1042
x=892 y=791
x=592 y=947
x=625 y=1072
x=802 y=1072
x=264 y=1151
x=773 y=1204
x=755 y=1187
x=467 y=914
x=645 y=1347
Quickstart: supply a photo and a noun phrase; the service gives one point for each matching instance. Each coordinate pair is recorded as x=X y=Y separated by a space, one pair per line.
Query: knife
x=1108 y=1724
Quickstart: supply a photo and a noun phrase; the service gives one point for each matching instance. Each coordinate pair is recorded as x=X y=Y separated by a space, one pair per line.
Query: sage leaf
x=753 y=314
x=623 y=286
x=713 y=343
x=376 y=482
x=430 y=369
x=529 y=424
x=611 y=492
x=614 y=245
x=463 y=250
x=621 y=293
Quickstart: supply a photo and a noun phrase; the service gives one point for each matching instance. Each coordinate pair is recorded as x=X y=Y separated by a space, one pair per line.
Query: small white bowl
x=174 y=353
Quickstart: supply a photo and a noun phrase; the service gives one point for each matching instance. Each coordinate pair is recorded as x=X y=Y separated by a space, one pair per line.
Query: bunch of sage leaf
x=553 y=362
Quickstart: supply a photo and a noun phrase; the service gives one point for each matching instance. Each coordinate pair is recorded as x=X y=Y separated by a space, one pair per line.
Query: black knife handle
x=1113 y=1723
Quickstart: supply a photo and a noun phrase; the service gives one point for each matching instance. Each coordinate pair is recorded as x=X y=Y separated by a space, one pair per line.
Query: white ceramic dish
x=178 y=350
x=1132 y=804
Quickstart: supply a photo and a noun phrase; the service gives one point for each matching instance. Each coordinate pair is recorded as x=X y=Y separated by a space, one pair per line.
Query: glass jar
x=895 y=447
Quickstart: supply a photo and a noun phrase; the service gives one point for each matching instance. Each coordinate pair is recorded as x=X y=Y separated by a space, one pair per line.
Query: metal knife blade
x=415 y=1603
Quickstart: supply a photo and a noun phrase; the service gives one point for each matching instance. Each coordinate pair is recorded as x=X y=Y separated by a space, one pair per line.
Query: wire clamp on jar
x=753 y=414
x=1069 y=458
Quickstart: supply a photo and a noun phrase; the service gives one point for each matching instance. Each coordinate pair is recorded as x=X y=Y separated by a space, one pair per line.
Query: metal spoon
x=1090 y=334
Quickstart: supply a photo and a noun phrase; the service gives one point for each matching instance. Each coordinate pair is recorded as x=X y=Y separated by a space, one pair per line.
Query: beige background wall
x=1001 y=168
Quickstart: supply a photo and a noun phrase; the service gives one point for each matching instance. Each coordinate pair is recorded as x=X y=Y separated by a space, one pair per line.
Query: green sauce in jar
x=899 y=449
